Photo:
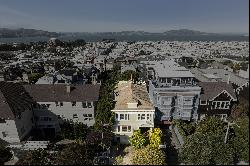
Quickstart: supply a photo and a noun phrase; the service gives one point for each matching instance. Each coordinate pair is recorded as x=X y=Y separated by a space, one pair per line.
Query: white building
x=173 y=91
x=133 y=110
x=23 y=108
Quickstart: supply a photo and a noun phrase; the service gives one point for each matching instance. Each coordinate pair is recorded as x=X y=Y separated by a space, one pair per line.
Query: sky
x=219 y=16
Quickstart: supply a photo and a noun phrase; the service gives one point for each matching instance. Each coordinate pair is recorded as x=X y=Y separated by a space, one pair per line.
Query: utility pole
x=225 y=140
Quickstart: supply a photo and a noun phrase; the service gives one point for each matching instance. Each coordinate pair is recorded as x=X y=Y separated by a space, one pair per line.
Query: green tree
x=155 y=137
x=241 y=139
x=239 y=110
x=34 y=77
x=71 y=130
x=75 y=154
x=36 y=157
x=5 y=155
x=127 y=75
x=211 y=125
x=201 y=149
x=206 y=145
x=137 y=140
x=148 y=156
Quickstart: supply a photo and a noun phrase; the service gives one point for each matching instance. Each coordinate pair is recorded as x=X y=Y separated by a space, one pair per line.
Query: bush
x=148 y=156
x=137 y=140
x=118 y=160
x=155 y=137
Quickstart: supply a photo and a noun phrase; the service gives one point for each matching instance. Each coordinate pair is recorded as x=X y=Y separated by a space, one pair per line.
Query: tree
x=211 y=125
x=75 y=130
x=155 y=137
x=201 y=149
x=5 y=155
x=241 y=139
x=75 y=154
x=34 y=77
x=37 y=157
x=148 y=156
x=206 y=145
x=137 y=140
x=99 y=138
x=239 y=110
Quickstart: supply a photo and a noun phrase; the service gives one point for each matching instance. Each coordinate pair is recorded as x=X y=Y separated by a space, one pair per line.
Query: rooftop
x=132 y=93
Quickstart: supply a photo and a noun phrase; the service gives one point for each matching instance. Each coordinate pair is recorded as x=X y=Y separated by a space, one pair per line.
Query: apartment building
x=133 y=110
x=173 y=91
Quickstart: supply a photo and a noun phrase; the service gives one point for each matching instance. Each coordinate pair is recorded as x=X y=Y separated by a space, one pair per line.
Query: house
x=76 y=103
x=133 y=110
x=216 y=99
x=16 y=112
x=44 y=107
x=173 y=91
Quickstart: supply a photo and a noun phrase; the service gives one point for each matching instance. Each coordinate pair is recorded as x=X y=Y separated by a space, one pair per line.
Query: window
x=126 y=128
x=75 y=116
x=188 y=101
x=89 y=115
x=84 y=105
x=58 y=116
x=47 y=105
x=57 y=103
x=227 y=105
x=141 y=116
x=116 y=116
x=4 y=134
x=118 y=128
x=73 y=103
x=218 y=105
x=167 y=100
x=89 y=105
x=44 y=118
x=203 y=102
x=222 y=104
x=124 y=117
x=61 y=104
x=148 y=116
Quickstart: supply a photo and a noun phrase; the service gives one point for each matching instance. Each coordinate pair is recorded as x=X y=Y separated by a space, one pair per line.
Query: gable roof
x=57 y=92
x=213 y=89
x=13 y=100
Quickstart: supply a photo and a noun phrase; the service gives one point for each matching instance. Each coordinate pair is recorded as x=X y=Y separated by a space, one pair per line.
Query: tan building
x=133 y=110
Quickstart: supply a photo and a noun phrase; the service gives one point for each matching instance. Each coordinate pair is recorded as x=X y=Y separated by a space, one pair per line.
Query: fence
x=179 y=136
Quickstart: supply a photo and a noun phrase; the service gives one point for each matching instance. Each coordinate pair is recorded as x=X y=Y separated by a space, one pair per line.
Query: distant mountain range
x=179 y=35
x=21 y=32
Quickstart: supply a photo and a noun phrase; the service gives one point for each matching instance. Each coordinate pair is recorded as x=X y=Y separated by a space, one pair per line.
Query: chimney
x=68 y=88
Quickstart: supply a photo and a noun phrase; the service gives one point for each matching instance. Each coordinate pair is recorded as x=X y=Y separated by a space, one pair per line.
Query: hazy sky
x=122 y=15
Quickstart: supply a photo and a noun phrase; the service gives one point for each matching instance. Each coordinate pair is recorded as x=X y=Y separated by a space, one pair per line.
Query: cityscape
x=125 y=85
